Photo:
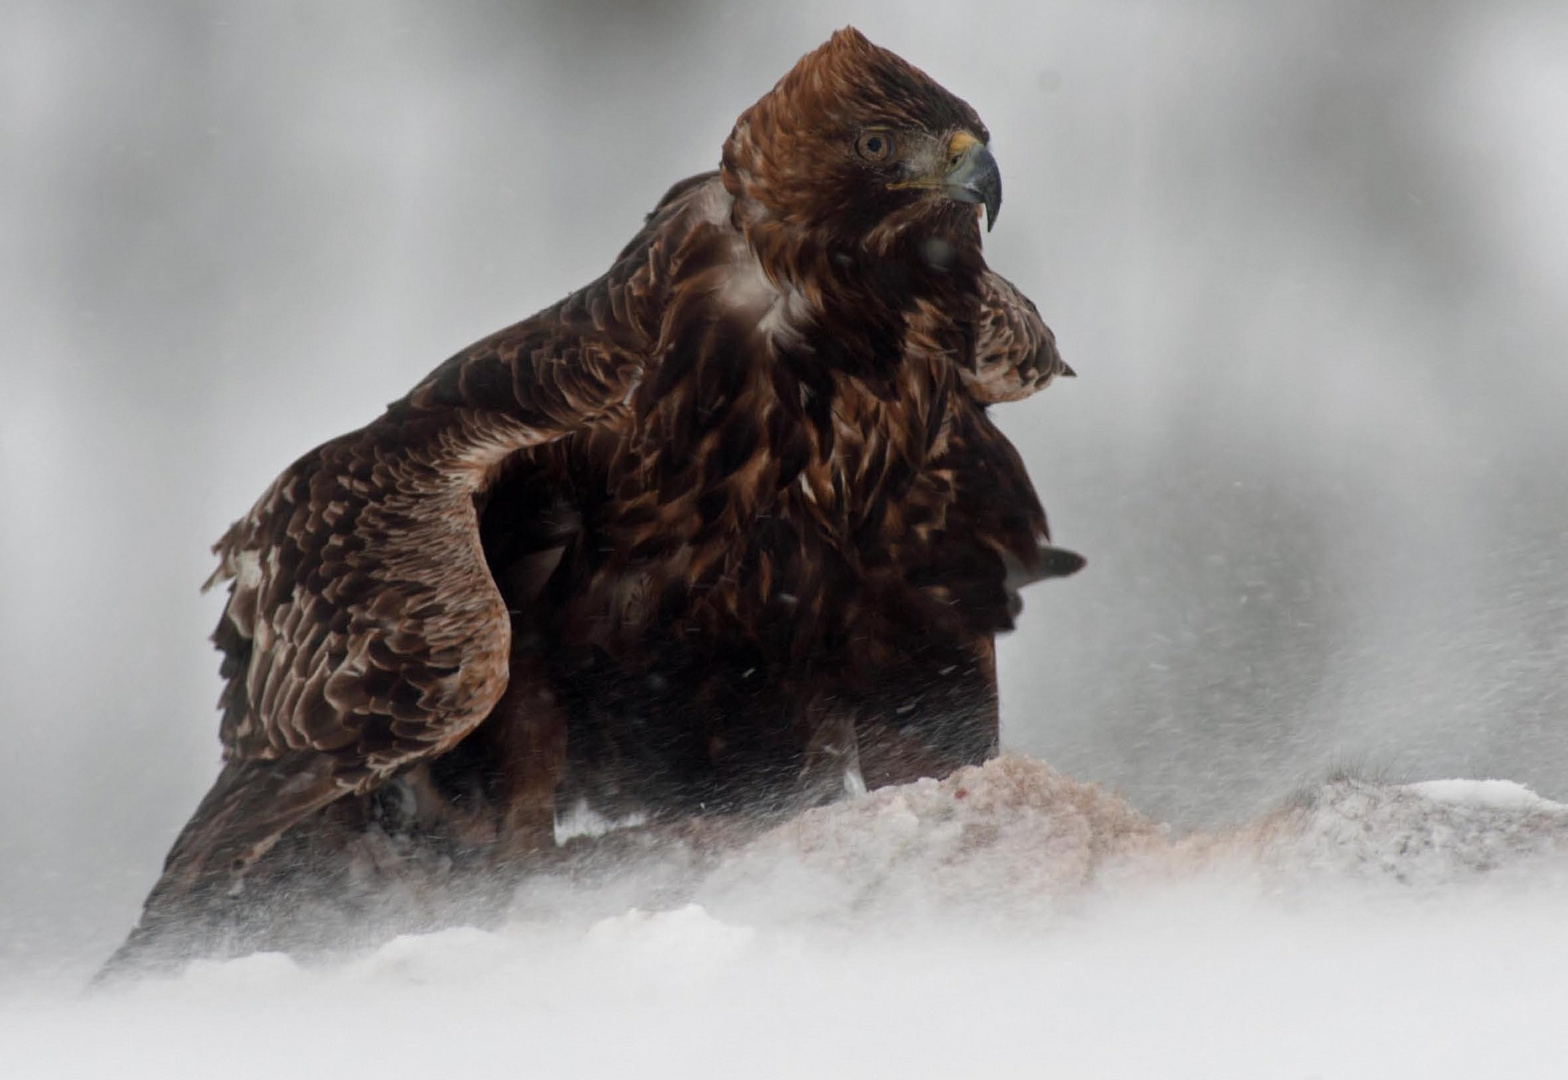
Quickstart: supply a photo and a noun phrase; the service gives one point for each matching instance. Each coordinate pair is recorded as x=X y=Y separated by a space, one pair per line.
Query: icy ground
x=1006 y=922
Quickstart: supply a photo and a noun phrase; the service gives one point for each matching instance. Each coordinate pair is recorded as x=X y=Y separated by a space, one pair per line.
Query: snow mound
x=688 y=933
x=1423 y=835
x=1014 y=839
x=1014 y=843
x=1003 y=839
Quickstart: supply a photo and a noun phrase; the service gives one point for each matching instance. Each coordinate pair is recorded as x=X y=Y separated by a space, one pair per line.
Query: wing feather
x=362 y=621
x=1015 y=354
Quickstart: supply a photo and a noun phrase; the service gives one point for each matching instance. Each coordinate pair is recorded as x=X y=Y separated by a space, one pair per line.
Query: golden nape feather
x=727 y=531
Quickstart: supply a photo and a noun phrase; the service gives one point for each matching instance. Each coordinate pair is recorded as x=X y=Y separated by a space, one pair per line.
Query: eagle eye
x=876 y=146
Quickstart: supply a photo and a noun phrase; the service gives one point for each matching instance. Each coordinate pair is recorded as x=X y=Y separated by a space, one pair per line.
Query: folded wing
x=1015 y=354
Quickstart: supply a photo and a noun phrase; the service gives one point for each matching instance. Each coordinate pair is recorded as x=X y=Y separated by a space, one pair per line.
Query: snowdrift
x=1006 y=921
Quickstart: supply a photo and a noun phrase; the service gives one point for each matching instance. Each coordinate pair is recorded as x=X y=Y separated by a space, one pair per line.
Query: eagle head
x=857 y=145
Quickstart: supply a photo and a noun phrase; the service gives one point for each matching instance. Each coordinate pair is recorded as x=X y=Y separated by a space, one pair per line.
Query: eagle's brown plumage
x=729 y=528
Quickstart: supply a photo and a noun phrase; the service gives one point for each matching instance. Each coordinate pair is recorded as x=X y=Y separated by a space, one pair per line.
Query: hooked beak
x=972 y=175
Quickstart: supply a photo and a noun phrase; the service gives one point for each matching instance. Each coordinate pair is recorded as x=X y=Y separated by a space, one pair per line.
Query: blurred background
x=1309 y=261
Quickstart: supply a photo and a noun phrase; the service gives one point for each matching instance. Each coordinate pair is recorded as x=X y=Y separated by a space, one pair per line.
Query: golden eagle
x=727 y=529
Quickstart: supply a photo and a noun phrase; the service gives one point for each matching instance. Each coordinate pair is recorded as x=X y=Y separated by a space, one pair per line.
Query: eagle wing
x=362 y=620
x=1015 y=353
x=363 y=630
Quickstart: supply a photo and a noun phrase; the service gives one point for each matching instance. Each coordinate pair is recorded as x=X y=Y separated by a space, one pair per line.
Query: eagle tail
x=251 y=804
x=1049 y=561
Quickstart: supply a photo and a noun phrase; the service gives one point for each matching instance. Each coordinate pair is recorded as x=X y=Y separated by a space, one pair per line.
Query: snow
x=1503 y=794
x=1423 y=835
x=582 y=820
x=1006 y=922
